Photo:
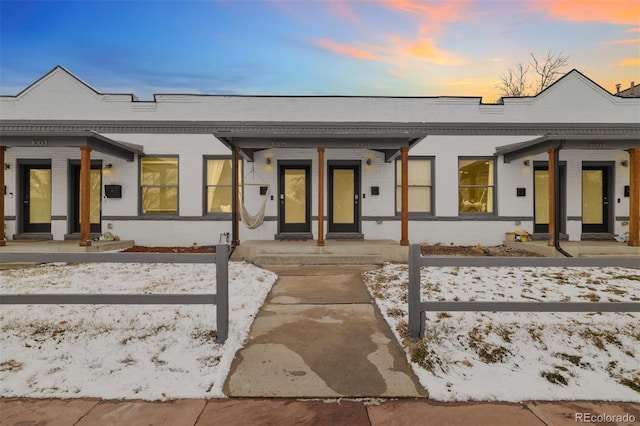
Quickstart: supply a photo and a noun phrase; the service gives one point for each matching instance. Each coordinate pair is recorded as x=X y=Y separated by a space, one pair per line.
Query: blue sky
x=312 y=47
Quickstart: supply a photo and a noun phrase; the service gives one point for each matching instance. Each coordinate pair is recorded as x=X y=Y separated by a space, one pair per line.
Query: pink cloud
x=432 y=15
x=627 y=41
x=344 y=49
x=342 y=10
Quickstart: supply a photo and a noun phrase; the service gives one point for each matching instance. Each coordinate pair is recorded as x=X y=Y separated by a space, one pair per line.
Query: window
x=219 y=178
x=420 y=184
x=159 y=185
x=476 y=185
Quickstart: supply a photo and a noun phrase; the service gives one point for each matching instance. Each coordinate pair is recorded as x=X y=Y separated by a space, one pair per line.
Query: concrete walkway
x=320 y=335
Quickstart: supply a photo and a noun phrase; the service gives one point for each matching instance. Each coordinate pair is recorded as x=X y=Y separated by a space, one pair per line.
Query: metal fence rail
x=418 y=308
x=220 y=298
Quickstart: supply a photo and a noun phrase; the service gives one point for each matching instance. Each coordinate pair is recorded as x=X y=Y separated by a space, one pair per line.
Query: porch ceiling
x=584 y=142
x=389 y=144
x=95 y=141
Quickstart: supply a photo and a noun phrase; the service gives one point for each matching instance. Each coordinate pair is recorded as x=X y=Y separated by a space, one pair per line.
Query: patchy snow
x=152 y=352
x=519 y=356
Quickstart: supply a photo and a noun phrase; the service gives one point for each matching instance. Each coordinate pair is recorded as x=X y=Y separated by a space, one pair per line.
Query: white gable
x=575 y=98
x=58 y=95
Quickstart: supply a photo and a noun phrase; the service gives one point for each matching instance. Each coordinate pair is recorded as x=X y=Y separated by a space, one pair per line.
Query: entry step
x=318 y=259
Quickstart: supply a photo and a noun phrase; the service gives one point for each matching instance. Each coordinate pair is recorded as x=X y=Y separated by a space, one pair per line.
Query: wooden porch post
x=634 y=197
x=404 y=208
x=2 y=241
x=552 y=197
x=321 y=196
x=85 y=196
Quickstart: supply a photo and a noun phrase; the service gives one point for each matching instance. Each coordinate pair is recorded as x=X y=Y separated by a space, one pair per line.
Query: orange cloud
x=627 y=41
x=631 y=62
x=633 y=30
x=426 y=50
x=344 y=49
x=620 y=12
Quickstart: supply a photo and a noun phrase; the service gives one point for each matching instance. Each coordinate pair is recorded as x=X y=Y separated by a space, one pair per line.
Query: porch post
x=321 y=196
x=551 y=242
x=85 y=196
x=404 y=207
x=634 y=197
x=235 y=202
x=2 y=172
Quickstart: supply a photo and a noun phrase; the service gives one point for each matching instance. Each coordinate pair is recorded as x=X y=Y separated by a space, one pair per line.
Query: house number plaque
x=39 y=142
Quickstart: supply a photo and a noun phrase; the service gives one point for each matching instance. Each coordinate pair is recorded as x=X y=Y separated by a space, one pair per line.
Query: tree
x=515 y=83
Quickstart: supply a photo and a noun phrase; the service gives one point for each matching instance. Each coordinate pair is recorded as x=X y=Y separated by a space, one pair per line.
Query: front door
x=36 y=197
x=541 y=198
x=344 y=198
x=95 y=199
x=595 y=198
x=294 y=195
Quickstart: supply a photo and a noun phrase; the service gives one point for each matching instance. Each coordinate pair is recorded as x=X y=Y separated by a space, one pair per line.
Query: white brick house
x=162 y=171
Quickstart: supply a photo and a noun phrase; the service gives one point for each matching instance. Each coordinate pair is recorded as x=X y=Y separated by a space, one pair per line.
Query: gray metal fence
x=220 y=298
x=418 y=308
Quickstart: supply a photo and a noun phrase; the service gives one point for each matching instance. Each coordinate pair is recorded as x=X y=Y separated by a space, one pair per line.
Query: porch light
x=268 y=160
x=108 y=166
x=624 y=163
x=368 y=161
x=526 y=163
x=7 y=166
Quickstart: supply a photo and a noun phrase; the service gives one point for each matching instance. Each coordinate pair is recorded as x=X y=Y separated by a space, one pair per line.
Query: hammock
x=254 y=221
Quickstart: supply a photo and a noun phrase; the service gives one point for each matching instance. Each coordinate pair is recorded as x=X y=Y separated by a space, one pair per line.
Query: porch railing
x=220 y=298
x=418 y=308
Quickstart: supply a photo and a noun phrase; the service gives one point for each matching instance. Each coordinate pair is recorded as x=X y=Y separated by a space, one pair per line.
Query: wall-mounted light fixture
x=7 y=166
x=526 y=163
x=624 y=163
x=108 y=166
x=368 y=161
x=268 y=160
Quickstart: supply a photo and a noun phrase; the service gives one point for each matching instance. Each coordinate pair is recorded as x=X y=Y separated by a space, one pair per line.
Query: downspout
x=556 y=197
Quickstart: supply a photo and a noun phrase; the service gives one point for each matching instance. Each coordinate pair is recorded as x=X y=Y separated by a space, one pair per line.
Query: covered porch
x=552 y=145
x=46 y=141
x=309 y=212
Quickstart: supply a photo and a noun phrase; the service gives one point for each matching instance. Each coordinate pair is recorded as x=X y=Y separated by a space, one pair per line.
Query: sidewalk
x=252 y=412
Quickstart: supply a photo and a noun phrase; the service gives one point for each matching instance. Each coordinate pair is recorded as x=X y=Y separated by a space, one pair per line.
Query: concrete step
x=318 y=259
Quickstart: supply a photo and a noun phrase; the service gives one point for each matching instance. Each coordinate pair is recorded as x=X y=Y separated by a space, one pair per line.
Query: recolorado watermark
x=604 y=418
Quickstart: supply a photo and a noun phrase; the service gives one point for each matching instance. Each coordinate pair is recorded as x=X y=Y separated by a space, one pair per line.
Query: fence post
x=222 y=292
x=415 y=261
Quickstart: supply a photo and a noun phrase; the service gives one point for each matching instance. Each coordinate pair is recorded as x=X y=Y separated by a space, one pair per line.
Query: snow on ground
x=152 y=352
x=519 y=356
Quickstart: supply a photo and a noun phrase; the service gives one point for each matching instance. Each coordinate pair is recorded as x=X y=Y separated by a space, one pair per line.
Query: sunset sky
x=313 y=47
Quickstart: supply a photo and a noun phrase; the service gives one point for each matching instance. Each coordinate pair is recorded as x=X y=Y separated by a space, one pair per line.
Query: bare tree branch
x=548 y=70
x=514 y=82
